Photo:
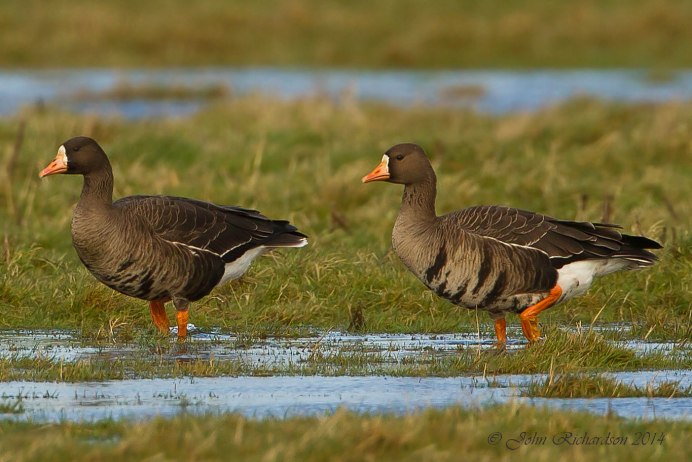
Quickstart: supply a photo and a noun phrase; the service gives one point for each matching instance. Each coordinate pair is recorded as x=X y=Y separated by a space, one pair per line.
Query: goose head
x=80 y=155
x=404 y=163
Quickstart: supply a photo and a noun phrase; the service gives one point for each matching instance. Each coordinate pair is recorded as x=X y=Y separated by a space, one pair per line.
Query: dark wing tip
x=640 y=242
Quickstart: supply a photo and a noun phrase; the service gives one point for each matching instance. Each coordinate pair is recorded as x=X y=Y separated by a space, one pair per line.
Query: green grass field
x=357 y=33
x=303 y=161
x=496 y=433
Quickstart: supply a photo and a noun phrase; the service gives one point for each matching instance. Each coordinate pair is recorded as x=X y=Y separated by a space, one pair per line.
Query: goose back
x=563 y=241
x=224 y=230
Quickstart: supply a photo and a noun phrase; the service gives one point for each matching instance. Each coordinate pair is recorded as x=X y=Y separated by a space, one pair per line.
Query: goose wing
x=562 y=240
x=227 y=231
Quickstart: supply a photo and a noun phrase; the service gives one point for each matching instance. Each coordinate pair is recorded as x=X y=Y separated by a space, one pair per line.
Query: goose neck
x=418 y=202
x=98 y=188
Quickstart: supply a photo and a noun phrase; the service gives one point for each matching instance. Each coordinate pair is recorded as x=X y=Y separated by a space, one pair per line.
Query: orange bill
x=59 y=165
x=380 y=173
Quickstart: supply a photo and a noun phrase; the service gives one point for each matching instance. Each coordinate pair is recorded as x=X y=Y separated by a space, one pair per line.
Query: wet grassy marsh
x=303 y=160
x=342 y=317
x=561 y=353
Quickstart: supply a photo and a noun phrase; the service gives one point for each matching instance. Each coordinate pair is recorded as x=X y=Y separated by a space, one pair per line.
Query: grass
x=125 y=90
x=8 y=406
x=589 y=386
x=303 y=161
x=390 y=34
x=495 y=433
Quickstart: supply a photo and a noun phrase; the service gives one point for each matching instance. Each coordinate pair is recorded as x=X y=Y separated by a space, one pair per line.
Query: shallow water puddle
x=280 y=351
x=59 y=344
x=270 y=351
x=290 y=395
x=295 y=395
x=491 y=91
x=386 y=348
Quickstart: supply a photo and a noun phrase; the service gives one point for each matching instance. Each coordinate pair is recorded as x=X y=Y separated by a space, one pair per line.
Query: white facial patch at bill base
x=385 y=159
x=62 y=154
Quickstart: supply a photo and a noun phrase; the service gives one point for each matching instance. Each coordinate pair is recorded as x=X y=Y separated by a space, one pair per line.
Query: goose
x=161 y=248
x=499 y=259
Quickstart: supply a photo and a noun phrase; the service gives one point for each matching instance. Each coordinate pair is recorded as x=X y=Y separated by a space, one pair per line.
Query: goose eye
x=75 y=149
x=399 y=157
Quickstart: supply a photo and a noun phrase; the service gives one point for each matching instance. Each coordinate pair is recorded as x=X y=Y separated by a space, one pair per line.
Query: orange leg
x=501 y=333
x=158 y=315
x=529 y=317
x=181 y=318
